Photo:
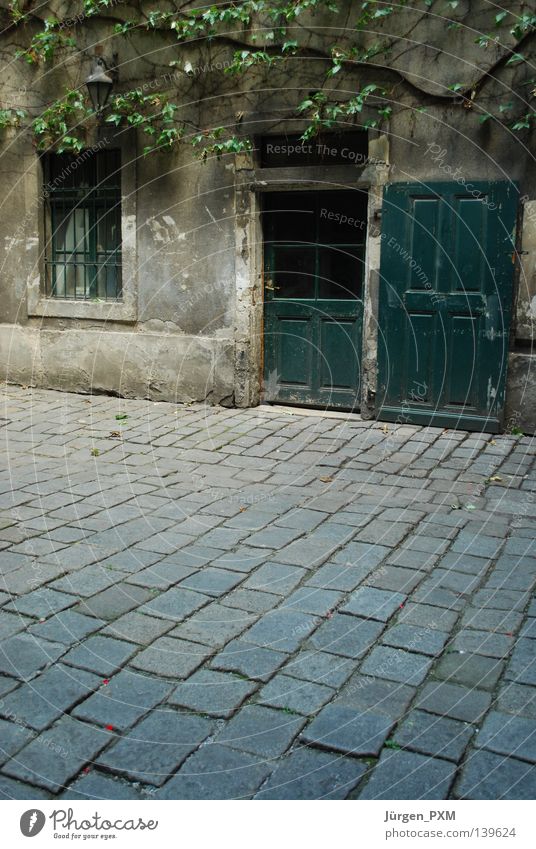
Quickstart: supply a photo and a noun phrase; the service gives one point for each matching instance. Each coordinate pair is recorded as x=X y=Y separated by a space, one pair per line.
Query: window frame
x=42 y=304
x=100 y=205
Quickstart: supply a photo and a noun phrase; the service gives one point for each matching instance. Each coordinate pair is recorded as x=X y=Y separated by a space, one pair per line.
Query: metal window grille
x=83 y=225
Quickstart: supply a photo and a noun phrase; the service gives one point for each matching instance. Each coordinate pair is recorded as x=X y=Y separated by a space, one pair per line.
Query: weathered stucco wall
x=191 y=326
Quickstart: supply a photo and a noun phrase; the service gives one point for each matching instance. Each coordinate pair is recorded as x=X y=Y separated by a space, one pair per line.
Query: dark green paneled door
x=445 y=303
x=314 y=258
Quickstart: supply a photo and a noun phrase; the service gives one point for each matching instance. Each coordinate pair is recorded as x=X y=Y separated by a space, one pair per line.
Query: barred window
x=83 y=225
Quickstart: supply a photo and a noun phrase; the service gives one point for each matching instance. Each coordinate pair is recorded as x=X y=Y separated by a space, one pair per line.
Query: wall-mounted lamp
x=99 y=85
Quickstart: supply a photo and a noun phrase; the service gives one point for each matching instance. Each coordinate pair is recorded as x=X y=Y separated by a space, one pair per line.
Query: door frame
x=251 y=183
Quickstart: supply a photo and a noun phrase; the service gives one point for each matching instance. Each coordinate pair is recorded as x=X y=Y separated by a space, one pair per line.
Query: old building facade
x=386 y=267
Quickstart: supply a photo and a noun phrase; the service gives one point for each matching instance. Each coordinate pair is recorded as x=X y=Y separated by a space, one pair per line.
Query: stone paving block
x=262 y=731
x=414 y=638
x=449 y=579
x=88 y=581
x=12 y=738
x=529 y=629
x=131 y=560
x=340 y=728
x=348 y=636
x=39 y=703
x=213 y=582
x=223 y=538
x=22 y=655
x=41 y=603
x=114 y=601
x=494 y=777
x=397 y=665
x=302 y=519
x=7 y=685
x=395 y=578
x=76 y=556
x=373 y=604
x=96 y=785
x=274 y=537
x=500 y=599
x=213 y=693
x=491 y=620
x=57 y=755
x=171 y=658
x=12 y=623
x=67 y=627
x=375 y=695
x=522 y=665
x=420 y=560
x=320 y=667
x=156 y=746
x=434 y=735
x=428 y=544
x=435 y=596
x=479 y=544
x=510 y=735
x=308 y=552
x=102 y=655
x=470 y=670
x=311 y=774
x=467 y=563
x=339 y=576
x=294 y=695
x=216 y=772
x=520 y=546
x=249 y=660
x=123 y=701
x=365 y=554
x=10 y=789
x=517 y=698
x=275 y=578
x=252 y=601
x=385 y=533
x=214 y=625
x=465 y=704
x=242 y=560
x=483 y=642
x=175 y=604
x=427 y=616
x=407 y=775
x=313 y=600
x=281 y=629
x=138 y=628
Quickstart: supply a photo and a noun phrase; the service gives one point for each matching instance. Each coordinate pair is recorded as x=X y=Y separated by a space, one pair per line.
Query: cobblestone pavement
x=204 y=602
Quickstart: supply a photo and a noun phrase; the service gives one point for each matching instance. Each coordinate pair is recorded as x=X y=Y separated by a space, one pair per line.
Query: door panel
x=314 y=263
x=445 y=303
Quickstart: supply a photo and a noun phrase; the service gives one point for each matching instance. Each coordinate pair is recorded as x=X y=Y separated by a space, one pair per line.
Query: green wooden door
x=445 y=303
x=313 y=310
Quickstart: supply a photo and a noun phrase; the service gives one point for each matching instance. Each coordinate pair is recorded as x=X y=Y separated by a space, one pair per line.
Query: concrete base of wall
x=174 y=368
x=521 y=393
x=131 y=364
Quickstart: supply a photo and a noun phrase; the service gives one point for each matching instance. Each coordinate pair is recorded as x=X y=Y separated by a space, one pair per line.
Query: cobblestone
x=201 y=575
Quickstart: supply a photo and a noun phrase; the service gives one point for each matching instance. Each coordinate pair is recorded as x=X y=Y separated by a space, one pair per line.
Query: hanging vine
x=261 y=35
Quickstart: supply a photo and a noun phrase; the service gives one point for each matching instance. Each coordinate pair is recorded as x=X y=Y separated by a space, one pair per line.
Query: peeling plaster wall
x=193 y=328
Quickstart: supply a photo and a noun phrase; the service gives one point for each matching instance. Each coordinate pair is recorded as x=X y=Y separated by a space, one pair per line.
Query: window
x=83 y=225
x=315 y=244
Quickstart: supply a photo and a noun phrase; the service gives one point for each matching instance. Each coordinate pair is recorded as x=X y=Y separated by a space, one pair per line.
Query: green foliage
x=61 y=125
x=271 y=26
x=44 y=44
x=11 y=117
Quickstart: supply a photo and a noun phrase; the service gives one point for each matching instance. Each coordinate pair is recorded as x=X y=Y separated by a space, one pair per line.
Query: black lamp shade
x=99 y=85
